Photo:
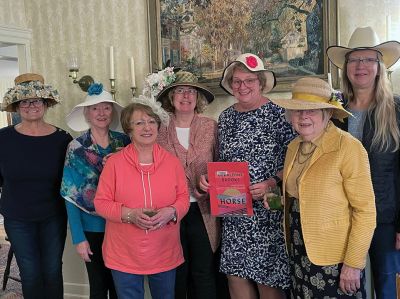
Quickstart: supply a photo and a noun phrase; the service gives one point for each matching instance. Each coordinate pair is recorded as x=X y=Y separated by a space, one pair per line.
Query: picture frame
x=295 y=47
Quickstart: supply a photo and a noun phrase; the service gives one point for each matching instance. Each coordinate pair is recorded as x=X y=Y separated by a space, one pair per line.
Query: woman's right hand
x=137 y=217
x=203 y=184
x=83 y=249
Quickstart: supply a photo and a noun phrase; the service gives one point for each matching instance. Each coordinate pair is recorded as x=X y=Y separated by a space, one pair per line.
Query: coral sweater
x=124 y=182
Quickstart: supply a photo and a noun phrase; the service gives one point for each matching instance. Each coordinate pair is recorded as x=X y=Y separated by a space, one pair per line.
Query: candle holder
x=133 y=90
x=113 y=90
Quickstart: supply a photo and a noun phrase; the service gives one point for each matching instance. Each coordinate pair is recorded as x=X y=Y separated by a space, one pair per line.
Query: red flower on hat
x=251 y=61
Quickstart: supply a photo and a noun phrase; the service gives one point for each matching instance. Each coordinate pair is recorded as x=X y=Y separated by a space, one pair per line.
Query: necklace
x=305 y=156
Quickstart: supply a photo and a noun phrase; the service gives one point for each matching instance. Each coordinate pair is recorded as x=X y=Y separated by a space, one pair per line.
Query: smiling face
x=362 y=74
x=309 y=123
x=246 y=87
x=144 y=129
x=184 y=99
x=99 y=116
x=32 y=109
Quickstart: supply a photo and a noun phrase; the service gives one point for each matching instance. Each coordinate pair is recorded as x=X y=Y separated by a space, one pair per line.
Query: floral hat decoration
x=314 y=93
x=254 y=64
x=149 y=100
x=184 y=78
x=29 y=86
x=96 y=94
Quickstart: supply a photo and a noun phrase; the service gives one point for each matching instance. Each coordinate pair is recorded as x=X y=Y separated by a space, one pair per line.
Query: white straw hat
x=254 y=64
x=76 y=119
x=365 y=38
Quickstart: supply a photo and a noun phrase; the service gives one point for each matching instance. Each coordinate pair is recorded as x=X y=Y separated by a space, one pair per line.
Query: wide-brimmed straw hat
x=254 y=64
x=76 y=119
x=313 y=93
x=184 y=78
x=365 y=38
x=29 y=86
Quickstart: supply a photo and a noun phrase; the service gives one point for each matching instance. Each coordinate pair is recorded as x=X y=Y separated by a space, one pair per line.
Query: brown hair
x=127 y=112
x=241 y=67
x=201 y=102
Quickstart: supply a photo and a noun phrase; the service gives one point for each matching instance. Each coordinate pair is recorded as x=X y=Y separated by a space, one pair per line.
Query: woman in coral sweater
x=142 y=194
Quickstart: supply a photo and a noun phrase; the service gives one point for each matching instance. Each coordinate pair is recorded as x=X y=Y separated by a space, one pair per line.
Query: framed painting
x=204 y=36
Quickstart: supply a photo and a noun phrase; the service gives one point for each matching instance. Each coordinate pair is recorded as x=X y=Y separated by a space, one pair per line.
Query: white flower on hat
x=155 y=107
x=156 y=82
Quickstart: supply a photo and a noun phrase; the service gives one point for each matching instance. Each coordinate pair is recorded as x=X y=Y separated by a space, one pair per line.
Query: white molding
x=22 y=38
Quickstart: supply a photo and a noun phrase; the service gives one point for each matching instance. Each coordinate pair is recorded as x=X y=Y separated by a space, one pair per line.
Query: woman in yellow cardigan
x=329 y=200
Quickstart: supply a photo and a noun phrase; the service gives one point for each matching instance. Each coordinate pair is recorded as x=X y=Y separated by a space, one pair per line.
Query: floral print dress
x=253 y=247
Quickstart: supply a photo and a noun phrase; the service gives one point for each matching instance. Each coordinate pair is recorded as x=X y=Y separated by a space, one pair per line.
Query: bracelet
x=128 y=217
x=277 y=179
x=174 y=218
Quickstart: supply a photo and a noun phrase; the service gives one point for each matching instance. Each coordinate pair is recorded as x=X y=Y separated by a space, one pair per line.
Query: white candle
x=330 y=79
x=132 y=68
x=112 y=75
x=388 y=27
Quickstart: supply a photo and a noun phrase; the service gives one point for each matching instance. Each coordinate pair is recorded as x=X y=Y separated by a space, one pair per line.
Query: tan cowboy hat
x=184 y=78
x=313 y=93
x=254 y=64
x=365 y=38
x=29 y=86
x=76 y=119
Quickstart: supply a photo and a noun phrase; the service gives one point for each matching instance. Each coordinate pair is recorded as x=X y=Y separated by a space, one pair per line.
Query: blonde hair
x=386 y=128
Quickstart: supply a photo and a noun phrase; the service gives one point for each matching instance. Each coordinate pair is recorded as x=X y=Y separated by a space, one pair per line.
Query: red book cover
x=229 y=191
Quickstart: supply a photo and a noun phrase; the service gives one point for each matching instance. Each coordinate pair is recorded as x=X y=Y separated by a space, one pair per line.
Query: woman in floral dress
x=254 y=130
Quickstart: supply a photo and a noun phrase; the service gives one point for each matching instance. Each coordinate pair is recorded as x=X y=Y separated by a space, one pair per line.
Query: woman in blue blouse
x=98 y=116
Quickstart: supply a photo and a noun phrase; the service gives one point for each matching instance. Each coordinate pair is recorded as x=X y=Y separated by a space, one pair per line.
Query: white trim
x=22 y=38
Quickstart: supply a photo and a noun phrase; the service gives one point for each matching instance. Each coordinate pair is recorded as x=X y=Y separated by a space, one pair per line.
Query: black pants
x=100 y=278
x=196 y=277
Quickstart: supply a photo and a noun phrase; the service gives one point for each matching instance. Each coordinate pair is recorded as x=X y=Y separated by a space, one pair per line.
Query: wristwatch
x=174 y=218
x=277 y=179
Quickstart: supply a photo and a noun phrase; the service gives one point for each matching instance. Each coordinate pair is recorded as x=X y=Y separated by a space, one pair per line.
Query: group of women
x=138 y=202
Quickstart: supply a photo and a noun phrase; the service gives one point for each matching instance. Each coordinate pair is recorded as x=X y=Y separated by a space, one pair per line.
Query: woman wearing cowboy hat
x=98 y=116
x=192 y=137
x=368 y=96
x=31 y=162
x=329 y=200
x=254 y=130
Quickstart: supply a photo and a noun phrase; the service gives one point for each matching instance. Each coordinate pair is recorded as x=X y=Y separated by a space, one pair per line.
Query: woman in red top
x=142 y=194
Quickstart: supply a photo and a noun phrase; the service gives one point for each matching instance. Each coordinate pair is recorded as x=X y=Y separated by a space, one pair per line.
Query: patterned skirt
x=309 y=280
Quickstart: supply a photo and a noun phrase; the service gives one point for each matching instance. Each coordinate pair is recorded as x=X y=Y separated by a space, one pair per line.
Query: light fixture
x=85 y=81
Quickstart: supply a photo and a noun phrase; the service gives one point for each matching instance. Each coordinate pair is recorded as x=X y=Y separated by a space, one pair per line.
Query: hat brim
x=390 y=53
x=77 y=122
x=206 y=92
x=295 y=104
x=269 y=77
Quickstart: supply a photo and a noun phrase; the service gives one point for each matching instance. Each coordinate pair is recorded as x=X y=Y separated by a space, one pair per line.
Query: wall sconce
x=73 y=68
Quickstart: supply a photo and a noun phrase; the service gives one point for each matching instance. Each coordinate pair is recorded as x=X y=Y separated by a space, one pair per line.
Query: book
x=229 y=189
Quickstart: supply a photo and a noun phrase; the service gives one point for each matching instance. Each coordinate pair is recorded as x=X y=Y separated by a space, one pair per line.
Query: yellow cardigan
x=337 y=203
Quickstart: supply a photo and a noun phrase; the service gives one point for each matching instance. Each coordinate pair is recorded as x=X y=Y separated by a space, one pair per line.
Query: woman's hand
x=163 y=216
x=258 y=190
x=397 y=241
x=349 y=279
x=137 y=217
x=83 y=249
x=203 y=184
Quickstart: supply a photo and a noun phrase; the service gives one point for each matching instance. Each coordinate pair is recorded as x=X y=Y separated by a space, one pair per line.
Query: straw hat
x=365 y=38
x=254 y=64
x=313 y=93
x=29 y=86
x=184 y=78
x=76 y=119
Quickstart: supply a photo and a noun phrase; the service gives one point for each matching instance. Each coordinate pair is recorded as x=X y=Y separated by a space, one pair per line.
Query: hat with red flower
x=254 y=64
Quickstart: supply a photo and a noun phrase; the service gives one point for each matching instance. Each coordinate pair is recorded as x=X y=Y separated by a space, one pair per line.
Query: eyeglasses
x=27 y=103
x=311 y=112
x=236 y=83
x=142 y=123
x=365 y=61
x=180 y=90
